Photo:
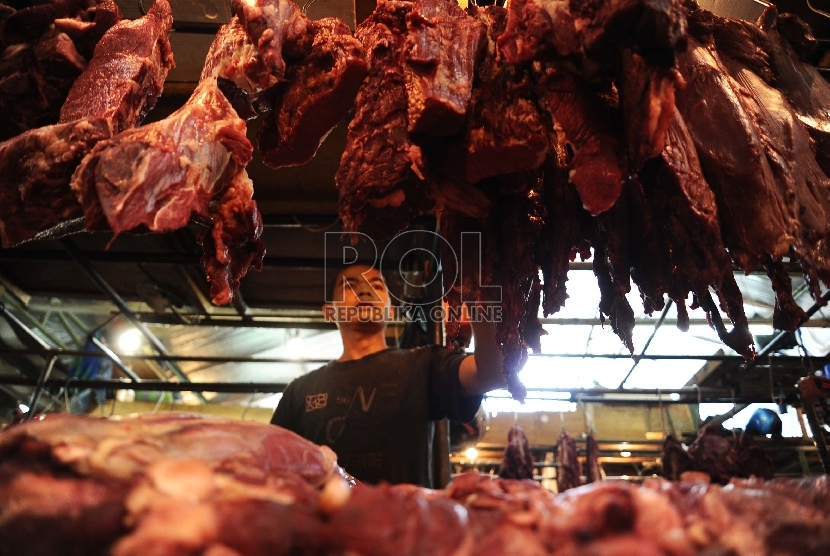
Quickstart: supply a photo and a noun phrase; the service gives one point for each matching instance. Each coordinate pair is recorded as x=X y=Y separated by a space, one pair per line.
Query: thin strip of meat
x=593 y=469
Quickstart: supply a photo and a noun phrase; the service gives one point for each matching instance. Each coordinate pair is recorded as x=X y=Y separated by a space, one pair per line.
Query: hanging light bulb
x=129 y=341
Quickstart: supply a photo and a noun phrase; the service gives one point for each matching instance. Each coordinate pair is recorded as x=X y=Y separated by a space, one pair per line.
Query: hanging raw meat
x=115 y=91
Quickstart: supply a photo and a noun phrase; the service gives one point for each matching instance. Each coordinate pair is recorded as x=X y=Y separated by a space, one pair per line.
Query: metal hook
x=250 y=401
x=662 y=417
x=818 y=11
x=141 y=7
x=305 y=8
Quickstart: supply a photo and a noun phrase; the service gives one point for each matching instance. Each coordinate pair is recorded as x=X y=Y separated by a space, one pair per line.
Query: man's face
x=360 y=296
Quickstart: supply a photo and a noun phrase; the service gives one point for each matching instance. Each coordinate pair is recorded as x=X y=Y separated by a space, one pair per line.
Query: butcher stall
x=638 y=190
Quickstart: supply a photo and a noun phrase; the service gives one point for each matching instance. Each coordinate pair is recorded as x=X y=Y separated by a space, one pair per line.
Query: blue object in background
x=827 y=371
x=764 y=421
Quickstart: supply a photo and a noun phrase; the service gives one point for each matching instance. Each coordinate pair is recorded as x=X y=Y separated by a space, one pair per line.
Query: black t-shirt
x=377 y=412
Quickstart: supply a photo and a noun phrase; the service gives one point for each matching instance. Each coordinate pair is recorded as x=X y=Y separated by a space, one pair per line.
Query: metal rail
x=246 y=359
x=274 y=387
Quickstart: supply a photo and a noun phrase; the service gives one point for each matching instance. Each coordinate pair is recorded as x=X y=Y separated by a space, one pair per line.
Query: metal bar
x=66 y=326
x=238 y=388
x=104 y=286
x=152 y=385
x=39 y=385
x=33 y=322
x=162 y=357
x=311 y=263
x=648 y=342
x=115 y=360
x=239 y=359
x=818 y=436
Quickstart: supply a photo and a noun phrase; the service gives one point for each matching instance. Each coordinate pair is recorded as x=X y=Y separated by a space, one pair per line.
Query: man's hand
x=483 y=371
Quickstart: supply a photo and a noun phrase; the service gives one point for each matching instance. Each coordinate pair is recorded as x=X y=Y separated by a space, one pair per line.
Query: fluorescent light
x=674 y=396
x=24 y=408
x=471 y=454
x=129 y=341
x=625 y=454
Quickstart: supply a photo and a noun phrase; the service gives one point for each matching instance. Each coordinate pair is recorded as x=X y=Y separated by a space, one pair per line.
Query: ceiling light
x=471 y=454
x=129 y=341
x=23 y=407
x=625 y=454
x=674 y=396
x=295 y=348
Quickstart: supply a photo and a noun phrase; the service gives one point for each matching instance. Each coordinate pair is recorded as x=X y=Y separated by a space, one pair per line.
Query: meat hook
x=818 y=11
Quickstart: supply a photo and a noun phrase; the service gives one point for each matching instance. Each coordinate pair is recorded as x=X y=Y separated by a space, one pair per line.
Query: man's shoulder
x=303 y=381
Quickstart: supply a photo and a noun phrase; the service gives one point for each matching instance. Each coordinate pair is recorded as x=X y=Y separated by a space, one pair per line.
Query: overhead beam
x=110 y=292
x=310 y=263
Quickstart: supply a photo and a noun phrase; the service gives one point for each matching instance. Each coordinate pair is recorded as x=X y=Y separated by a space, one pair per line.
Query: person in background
x=375 y=405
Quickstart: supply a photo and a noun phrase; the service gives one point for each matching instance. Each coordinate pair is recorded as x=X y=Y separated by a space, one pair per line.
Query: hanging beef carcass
x=517 y=462
x=115 y=91
x=568 y=474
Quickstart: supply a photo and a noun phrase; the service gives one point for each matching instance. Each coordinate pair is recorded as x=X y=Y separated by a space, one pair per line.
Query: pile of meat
x=176 y=484
x=671 y=142
x=716 y=456
x=94 y=161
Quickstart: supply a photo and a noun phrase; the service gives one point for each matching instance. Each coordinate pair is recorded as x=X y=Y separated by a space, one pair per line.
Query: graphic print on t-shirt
x=316 y=401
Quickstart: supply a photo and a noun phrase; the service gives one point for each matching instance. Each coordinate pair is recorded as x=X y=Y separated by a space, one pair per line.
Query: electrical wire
x=315 y=229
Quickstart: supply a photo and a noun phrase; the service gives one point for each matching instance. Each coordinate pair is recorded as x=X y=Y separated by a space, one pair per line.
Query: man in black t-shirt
x=375 y=406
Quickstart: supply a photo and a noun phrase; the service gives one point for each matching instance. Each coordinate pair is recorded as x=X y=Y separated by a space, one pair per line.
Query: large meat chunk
x=382 y=179
x=35 y=169
x=35 y=174
x=45 y=47
x=443 y=47
x=126 y=75
x=278 y=29
x=755 y=220
x=161 y=175
x=177 y=482
x=802 y=84
x=595 y=30
x=647 y=104
x=563 y=235
x=504 y=131
x=583 y=121
x=318 y=93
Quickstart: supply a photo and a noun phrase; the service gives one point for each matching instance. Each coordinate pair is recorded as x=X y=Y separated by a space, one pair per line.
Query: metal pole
x=125 y=310
x=41 y=382
x=115 y=360
x=648 y=342
x=720 y=419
